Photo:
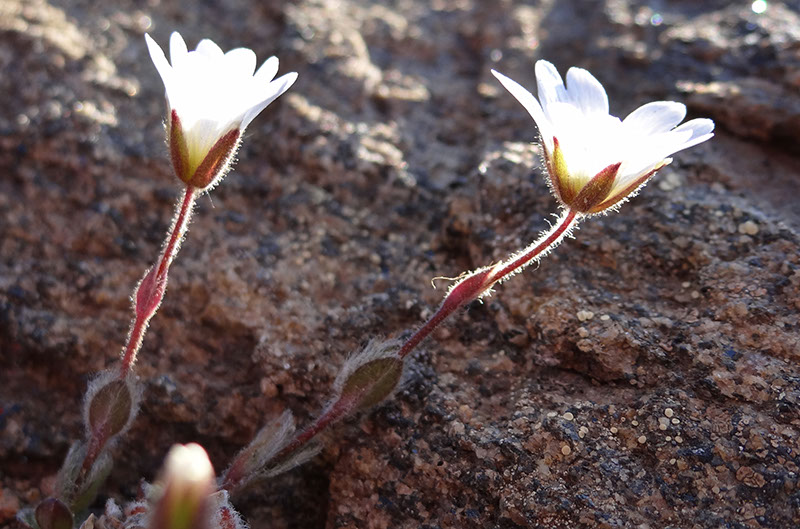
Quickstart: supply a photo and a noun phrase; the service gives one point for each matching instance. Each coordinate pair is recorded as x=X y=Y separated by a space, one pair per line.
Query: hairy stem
x=470 y=287
x=151 y=289
x=338 y=410
x=147 y=299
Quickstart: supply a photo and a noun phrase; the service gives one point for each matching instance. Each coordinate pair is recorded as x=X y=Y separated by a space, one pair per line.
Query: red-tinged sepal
x=217 y=161
x=200 y=170
x=621 y=195
x=225 y=516
x=595 y=190
x=149 y=294
x=178 y=148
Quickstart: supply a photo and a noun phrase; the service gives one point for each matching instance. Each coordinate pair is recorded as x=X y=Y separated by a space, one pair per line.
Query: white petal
x=702 y=130
x=267 y=72
x=177 y=50
x=551 y=86
x=276 y=89
x=586 y=91
x=159 y=60
x=531 y=105
x=209 y=49
x=651 y=152
x=659 y=116
x=242 y=61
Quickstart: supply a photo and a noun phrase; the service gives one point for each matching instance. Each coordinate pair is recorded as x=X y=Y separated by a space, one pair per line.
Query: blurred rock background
x=645 y=375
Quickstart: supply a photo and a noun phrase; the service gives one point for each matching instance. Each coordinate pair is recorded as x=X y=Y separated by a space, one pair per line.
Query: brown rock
x=394 y=159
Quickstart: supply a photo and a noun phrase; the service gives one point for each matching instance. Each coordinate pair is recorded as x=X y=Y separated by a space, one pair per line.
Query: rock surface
x=645 y=375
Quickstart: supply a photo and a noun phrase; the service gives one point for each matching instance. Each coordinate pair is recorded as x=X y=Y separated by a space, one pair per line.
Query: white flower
x=596 y=160
x=212 y=96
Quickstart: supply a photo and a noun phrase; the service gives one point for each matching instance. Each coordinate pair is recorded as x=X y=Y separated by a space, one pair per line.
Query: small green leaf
x=110 y=408
x=52 y=514
x=374 y=381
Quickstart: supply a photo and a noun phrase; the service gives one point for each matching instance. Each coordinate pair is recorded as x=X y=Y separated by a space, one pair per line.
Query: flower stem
x=151 y=290
x=474 y=285
x=336 y=411
x=470 y=287
x=147 y=298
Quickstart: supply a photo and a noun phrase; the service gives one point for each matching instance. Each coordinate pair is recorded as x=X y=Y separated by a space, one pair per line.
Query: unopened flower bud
x=371 y=375
x=187 y=481
x=53 y=514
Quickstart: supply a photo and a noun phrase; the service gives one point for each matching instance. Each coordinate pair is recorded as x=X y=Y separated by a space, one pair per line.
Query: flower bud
x=187 y=482
x=53 y=514
x=371 y=375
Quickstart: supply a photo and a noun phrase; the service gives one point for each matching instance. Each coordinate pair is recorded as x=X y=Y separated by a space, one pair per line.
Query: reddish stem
x=471 y=287
x=338 y=410
x=151 y=289
x=146 y=302
x=553 y=237
x=476 y=284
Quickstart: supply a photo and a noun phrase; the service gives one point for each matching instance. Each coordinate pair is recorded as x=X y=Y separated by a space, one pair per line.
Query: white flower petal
x=210 y=49
x=659 y=116
x=586 y=91
x=177 y=50
x=242 y=61
x=551 y=86
x=159 y=60
x=590 y=139
x=646 y=155
x=530 y=104
x=702 y=130
x=276 y=89
x=267 y=72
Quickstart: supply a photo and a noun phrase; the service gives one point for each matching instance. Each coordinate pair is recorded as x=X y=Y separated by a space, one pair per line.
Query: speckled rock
x=644 y=375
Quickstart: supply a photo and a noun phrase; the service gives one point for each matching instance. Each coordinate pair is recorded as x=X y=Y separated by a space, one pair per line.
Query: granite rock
x=646 y=374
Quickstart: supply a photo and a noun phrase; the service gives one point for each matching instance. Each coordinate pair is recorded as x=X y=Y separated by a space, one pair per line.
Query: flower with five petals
x=595 y=160
x=212 y=96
